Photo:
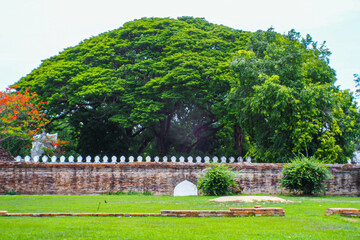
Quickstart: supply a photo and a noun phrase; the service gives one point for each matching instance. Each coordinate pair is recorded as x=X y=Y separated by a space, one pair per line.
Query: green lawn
x=304 y=219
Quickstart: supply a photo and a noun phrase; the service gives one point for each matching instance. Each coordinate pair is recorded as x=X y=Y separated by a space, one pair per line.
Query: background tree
x=357 y=81
x=286 y=101
x=21 y=115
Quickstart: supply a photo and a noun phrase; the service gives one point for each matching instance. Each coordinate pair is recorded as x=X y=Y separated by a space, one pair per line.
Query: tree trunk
x=161 y=138
x=144 y=144
x=239 y=139
x=5 y=155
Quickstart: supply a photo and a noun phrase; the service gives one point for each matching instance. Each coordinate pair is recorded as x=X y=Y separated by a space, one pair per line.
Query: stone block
x=353 y=212
x=3 y=213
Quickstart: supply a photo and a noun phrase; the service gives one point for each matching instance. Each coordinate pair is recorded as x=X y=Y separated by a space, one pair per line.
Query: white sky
x=34 y=30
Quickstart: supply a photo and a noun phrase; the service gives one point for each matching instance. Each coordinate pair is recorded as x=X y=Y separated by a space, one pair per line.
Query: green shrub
x=217 y=180
x=115 y=193
x=10 y=193
x=147 y=193
x=305 y=176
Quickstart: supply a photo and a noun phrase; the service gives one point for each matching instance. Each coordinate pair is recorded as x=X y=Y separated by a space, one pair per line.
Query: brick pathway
x=350 y=212
x=232 y=212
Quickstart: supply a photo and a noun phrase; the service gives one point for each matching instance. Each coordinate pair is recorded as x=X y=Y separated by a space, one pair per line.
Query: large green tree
x=161 y=86
x=287 y=103
x=153 y=86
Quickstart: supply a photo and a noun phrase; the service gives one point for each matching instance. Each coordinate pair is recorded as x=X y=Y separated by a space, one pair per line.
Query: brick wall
x=159 y=178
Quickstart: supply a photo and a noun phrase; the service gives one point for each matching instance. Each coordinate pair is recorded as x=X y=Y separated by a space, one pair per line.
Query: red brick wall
x=159 y=178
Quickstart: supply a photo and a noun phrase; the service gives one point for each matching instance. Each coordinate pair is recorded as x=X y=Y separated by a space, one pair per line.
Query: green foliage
x=285 y=100
x=152 y=86
x=17 y=147
x=217 y=180
x=305 y=175
x=357 y=81
x=10 y=193
x=115 y=193
x=160 y=86
x=147 y=193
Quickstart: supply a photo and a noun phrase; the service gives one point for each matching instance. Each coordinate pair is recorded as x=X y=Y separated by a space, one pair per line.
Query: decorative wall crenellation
x=123 y=159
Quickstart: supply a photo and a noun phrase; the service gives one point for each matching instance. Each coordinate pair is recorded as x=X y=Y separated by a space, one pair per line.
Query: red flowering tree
x=53 y=147
x=21 y=116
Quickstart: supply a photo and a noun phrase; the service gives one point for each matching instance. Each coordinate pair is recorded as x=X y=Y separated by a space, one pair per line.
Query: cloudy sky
x=34 y=30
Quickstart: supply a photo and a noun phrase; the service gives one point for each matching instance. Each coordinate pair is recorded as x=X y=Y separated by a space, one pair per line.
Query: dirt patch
x=250 y=199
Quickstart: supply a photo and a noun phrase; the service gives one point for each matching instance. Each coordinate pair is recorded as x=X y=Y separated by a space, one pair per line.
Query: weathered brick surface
x=3 y=213
x=82 y=215
x=351 y=212
x=232 y=212
x=159 y=178
x=5 y=155
x=239 y=212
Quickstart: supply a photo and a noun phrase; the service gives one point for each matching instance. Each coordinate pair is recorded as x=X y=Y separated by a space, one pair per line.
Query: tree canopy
x=152 y=86
x=186 y=86
x=285 y=98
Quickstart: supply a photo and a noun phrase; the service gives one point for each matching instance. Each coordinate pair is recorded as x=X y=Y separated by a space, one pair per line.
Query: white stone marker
x=185 y=188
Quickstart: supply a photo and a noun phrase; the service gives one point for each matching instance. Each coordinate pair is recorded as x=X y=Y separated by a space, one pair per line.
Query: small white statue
x=356 y=158
x=41 y=142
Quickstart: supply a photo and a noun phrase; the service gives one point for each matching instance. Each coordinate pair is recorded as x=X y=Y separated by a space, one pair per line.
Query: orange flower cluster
x=56 y=149
x=21 y=115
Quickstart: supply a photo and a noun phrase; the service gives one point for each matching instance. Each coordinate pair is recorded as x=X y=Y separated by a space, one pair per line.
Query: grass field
x=304 y=219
